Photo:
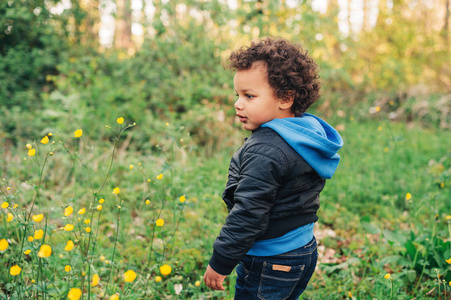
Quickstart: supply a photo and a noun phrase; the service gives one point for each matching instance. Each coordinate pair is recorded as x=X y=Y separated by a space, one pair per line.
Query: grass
x=367 y=228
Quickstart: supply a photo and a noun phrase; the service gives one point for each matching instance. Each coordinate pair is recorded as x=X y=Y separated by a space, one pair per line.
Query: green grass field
x=386 y=211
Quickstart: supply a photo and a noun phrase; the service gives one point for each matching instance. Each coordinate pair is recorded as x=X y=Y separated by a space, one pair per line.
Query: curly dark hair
x=291 y=72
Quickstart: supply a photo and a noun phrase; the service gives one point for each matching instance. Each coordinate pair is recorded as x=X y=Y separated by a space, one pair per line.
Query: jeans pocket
x=278 y=281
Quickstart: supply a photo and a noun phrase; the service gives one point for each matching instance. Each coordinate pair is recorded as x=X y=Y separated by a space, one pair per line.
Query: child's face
x=256 y=102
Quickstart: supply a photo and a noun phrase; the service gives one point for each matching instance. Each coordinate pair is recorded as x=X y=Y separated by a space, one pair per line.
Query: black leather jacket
x=271 y=190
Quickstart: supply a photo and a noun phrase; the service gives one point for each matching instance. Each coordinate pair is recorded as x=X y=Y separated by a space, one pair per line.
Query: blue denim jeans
x=279 y=277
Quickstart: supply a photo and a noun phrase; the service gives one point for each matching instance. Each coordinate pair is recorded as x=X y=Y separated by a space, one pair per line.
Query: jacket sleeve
x=259 y=179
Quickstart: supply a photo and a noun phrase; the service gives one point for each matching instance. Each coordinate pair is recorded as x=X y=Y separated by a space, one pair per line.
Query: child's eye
x=249 y=96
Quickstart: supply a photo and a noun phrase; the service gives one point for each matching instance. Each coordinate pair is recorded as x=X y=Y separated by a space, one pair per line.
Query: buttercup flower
x=87 y=221
x=45 y=140
x=69 y=246
x=165 y=270
x=99 y=207
x=78 y=133
x=159 y=222
x=448 y=261
x=68 y=211
x=45 y=251
x=408 y=196
x=120 y=120
x=159 y=177
x=26 y=252
x=50 y=134
x=10 y=217
x=82 y=211
x=147 y=201
x=158 y=279
x=101 y=201
x=38 y=234
x=15 y=270
x=30 y=238
x=387 y=276
x=88 y=229
x=69 y=227
x=74 y=294
x=67 y=268
x=95 y=280
x=114 y=297
x=3 y=245
x=31 y=152
x=5 y=205
x=116 y=190
x=28 y=146
x=182 y=198
x=448 y=217
x=197 y=283
x=129 y=276
x=131 y=167
x=38 y=218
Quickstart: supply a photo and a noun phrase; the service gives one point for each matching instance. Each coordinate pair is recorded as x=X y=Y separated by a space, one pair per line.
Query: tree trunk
x=123 y=32
x=446 y=25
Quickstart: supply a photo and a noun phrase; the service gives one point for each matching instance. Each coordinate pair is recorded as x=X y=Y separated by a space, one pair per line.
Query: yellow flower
x=116 y=190
x=33 y=281
x=197 y=283
x=30 y=238
x=129 y=276
x=379 y=128
x=5 y=205
x=147 y=201
x=28 y=146
x=148 y=180
x=3 y=245
x=448 y=261
x=50 y=134
x=10 y=217
x=387 y=276
x=448 y=217
x=38 y=218
x=131 y=167
x=38 y=234
x=114 y=297
x=8 y=188
x=102 y=258
x=15 y=206
x=78 y=133
x=45 y=140
x=159 y=177
x=99 y=207
x=442 y=185
x=69 y=246
x=74 y=294
x=82 y=211
x=378 y=108
x=95 y=280
x=158 y=279
x=120 y=120
x=15 y=270
x=165 y=270
x=69 y=227
x=119 y=206
x=159 y=222
x=45 y=251
x=101 y=201
x=87 y=221
x=67 y=268
x=68 y=211
x=31 y=152
x=88 y=229
x=408 y=196
x=27 y=252
x=349 y=294
x=182 y=198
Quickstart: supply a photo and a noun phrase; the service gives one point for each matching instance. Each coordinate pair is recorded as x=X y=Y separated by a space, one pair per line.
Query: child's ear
x=287 y=101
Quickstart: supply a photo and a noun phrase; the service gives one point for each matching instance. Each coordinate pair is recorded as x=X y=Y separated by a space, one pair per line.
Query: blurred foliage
x=54 y=72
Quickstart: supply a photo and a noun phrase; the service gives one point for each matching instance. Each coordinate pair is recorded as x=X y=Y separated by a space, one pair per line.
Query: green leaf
x=370 y=228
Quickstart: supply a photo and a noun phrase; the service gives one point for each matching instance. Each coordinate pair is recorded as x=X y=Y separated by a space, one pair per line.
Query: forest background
x=386 y=86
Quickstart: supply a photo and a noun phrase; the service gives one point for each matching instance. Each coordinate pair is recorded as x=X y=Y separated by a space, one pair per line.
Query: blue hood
x=313 y=139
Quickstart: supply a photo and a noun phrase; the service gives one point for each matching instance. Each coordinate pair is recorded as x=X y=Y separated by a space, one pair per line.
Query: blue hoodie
x=313 y=139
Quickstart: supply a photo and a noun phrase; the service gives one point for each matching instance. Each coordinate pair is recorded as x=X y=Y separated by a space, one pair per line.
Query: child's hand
x=213 y=279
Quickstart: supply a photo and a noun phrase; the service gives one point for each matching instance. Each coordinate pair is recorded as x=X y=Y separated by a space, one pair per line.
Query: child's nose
x=238 y=104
